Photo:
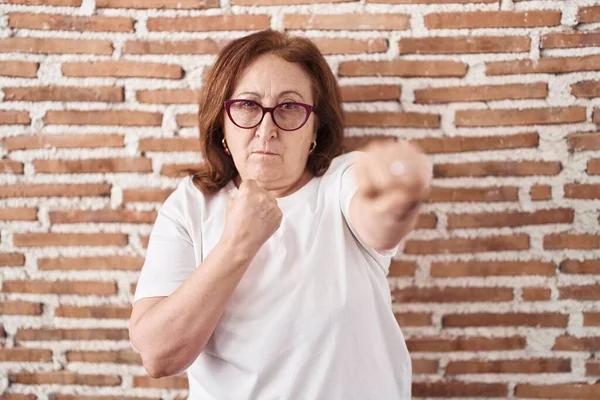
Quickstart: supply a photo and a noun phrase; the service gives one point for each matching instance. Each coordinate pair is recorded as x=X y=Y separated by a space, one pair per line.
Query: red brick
x=18 y=214
x=11 y=117
x=370 y=92
x=404 y=68
x=462 y=245
x=55 y=46
x=402 y=268
x=122 y=69
x=563 y=391
x=57 y=396
x=580 y=267
x=199 y=46
x=586 y=89
x=459 y=389
x=579 y=292
x=539 y=320
x=564 y=40
x=22 y=354
x=465 y=343
x=536 y=294
x=284 y=2
x=424 y=366
x=571 y=241
x=493 y=19
x=160 y=4
x=593 y=167
x=587 y=191
x=497 y=168
x=19 y=69
x=188 y=120
x=146 y=195
x=538 y=90
x=60 y=287
x=589 y=14
x=115 y=357
x=381 y=22
x=430 y=1
x=571 y=343
x=65 y=3
x=102 y=216
x=451 y=294
x=511 y=219
x=596 y=116
x=126 y=263
x=12 y=259
x=477 y=194
x=531 y=116
x=545 y=65
x=64 y=93
x=169 y=144
x=68 y=141
x=540 y=192
x=59 y=22
x=178 y=169
x=99 y=312
x=11 y=167
x=171 y=382
x=17 y=307
x=329 y=46
x=69 y=239
x=592 y=368
x=207 y=23
x=98 y=165
x=63 y=378
x=72 y=334
x=15 y=396
x=392 y=119
x=54 y=190
x=167 y=96
x=491 y=268
x=464 y=45
x=591 y=319
x=527 y=366
x=413 y=319
x=111 y=117
x=426 y=221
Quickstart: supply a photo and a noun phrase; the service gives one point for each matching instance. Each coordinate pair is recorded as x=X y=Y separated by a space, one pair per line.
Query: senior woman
x=265 y=273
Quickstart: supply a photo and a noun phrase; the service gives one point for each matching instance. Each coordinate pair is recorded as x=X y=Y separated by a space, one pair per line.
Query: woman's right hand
x=252 y=217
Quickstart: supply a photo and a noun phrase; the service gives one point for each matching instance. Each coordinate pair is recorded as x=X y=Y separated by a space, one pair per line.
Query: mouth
x=268 y=153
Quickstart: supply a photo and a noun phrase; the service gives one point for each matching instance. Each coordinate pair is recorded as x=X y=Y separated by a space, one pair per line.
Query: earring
x=225 y=147
x=312 y=147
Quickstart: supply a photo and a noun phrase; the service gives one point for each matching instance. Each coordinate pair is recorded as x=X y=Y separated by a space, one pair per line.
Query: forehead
x=269 y=75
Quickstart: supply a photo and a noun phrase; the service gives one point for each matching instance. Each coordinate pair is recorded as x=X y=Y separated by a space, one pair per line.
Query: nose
x=267 y=129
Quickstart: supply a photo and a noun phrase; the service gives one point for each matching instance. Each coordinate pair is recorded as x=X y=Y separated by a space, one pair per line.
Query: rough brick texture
x=496 y=290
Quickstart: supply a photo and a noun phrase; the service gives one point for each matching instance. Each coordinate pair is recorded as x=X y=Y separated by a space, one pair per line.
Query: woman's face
x=275 y=158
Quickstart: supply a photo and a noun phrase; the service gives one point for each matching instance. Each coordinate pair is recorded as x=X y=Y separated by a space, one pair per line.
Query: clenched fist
x=395 y=175
x=252 y=216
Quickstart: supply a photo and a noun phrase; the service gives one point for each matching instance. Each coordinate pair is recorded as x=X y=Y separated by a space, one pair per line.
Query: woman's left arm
x=392 y=180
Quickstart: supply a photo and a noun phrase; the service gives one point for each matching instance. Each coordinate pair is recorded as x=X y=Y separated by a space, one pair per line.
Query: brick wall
x=497 y=290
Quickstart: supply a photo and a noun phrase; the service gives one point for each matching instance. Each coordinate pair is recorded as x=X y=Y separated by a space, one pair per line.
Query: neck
x=278 y=189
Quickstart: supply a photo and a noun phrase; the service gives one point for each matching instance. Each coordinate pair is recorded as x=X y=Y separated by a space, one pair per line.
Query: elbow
x=153 y=369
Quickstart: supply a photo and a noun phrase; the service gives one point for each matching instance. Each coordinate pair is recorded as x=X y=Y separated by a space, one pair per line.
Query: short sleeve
x=170 y=256
x=347 y=192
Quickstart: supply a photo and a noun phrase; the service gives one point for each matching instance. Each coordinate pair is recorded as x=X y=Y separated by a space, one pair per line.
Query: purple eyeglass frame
x=265 y=110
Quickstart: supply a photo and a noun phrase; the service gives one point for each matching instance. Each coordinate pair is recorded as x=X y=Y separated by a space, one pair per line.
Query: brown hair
x=218 y=168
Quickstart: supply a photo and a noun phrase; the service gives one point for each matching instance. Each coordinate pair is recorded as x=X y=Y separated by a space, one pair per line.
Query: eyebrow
x=280 y=94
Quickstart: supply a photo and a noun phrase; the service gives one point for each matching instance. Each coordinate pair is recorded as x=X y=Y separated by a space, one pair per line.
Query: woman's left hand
x=396 y=175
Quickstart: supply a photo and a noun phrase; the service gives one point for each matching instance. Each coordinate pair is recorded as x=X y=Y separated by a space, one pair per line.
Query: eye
x=290 y=106
x=247 y=104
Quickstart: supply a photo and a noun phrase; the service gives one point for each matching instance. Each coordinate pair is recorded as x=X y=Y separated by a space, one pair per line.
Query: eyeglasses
x=248 y=114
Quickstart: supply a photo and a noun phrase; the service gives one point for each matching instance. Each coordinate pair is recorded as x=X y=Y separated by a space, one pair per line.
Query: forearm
x=382 y=227
x=172 y=334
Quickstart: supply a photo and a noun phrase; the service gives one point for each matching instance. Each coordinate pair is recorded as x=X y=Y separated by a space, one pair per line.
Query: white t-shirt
x=310 y=319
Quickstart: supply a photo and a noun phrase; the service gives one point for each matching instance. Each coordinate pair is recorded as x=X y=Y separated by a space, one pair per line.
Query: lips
x=265 y=152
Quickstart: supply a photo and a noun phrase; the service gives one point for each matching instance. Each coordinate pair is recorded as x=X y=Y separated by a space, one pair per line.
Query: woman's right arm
x=170 y=332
